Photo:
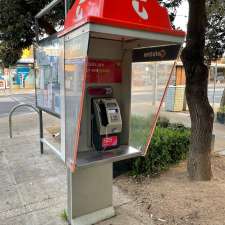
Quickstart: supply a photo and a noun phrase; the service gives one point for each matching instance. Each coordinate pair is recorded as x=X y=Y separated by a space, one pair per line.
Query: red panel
x=100 y=91
x=104 y=71
x=132 y=14
x=145 y=12
x=82 y=9
x=108 y=142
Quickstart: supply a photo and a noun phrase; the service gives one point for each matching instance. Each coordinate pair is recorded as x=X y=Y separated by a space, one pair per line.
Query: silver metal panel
x=86 y=159
x=91 y=191
x=127 y=34
x=62 y=98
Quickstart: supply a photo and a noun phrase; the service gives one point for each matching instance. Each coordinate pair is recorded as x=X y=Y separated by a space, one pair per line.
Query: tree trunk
x=202 y=116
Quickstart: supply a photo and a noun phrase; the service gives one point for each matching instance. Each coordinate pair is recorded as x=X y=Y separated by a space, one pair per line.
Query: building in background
x=20 y=76
x=153 y=75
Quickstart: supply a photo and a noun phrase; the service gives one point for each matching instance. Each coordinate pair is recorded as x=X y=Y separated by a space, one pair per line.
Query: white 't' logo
x=79 y=11
x=139 y=8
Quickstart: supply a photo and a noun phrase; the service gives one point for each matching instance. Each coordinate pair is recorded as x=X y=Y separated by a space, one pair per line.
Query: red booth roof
x=145 y=15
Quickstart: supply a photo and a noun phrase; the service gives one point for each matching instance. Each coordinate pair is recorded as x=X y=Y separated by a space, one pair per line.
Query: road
x=148 y=96
x=218 y=94
x=8 y=102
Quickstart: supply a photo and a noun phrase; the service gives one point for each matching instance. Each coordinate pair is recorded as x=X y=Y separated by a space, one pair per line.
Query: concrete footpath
x=33 y=186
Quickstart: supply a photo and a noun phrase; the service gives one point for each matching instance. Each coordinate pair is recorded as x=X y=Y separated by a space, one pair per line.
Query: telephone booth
x=100 y=40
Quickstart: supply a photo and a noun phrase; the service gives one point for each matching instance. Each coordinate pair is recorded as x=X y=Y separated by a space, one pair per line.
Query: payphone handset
x=107 y=124
x=108 y=117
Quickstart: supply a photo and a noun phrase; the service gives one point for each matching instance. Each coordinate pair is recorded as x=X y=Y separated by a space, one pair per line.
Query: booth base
x=90 y=194
x=95 y=217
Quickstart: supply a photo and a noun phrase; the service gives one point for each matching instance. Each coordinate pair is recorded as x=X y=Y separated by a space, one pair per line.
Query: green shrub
x=64 y=215
x=222 y=109
x=163 y=122
x=169 y=145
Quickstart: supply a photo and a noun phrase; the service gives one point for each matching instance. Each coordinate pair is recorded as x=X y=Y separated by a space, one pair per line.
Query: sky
x=182 y=16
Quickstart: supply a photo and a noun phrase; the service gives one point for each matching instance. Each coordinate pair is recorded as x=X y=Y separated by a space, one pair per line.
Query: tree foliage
x=18 y=31
x=17 y=26
x=171 y=6
x=215 y=32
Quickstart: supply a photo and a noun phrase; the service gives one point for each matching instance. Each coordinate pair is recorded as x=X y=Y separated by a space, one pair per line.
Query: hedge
x=169 y=145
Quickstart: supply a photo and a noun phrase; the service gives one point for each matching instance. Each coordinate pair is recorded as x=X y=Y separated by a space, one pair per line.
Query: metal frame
x=87 y=159
x=43 y=141
x=44 y=11
x=47 y=8
x=133 y=34
x=49 y=112
x=53 y=148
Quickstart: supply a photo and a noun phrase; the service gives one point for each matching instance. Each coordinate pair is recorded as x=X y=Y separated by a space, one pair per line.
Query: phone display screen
x=112 y=111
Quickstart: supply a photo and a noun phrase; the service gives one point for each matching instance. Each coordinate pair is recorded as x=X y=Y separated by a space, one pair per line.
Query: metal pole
x=47 y=8
x=41 y=131
x=155 y=85
x=10 y=126
x=36 y=31
x=214 y=88
x=66 y=6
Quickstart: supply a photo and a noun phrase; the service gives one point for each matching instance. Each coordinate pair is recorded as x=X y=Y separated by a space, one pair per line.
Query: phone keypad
x=114 y=117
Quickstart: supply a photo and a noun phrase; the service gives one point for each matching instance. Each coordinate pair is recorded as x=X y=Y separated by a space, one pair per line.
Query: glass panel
x=75 y=55
x=216 y=95
x=149 y=81
x=47 y=75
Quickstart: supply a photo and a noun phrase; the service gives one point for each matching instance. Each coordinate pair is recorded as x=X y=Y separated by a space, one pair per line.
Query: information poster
x=104 y=71
x=47 y=75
